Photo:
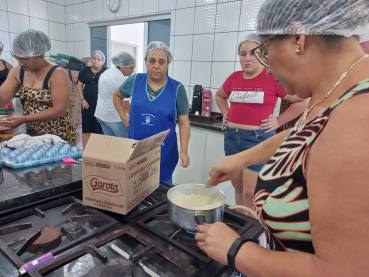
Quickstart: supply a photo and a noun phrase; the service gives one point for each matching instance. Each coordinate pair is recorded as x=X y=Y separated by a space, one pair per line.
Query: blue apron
x=151 y=116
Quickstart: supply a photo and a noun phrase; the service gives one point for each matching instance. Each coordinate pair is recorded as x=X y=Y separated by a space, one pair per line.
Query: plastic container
x=206 y=102
x=207 y=112
x=23 y=157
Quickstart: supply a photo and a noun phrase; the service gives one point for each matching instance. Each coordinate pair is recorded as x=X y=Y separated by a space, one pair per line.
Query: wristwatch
x=231 y=255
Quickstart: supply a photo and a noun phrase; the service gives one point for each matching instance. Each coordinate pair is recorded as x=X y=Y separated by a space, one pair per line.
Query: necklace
x=308 y=110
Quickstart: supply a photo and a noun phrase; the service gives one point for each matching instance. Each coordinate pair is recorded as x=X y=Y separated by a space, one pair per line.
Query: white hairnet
x=123 y=59
x=1 y=46
x=161 y=46
x=31 y=43
x=249 y=37
x=314 y=17
x=99 y=53
x=364 y=37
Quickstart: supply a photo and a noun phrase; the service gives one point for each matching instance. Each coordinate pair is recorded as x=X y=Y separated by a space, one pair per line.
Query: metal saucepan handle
x=252 y=213
x=199 y=218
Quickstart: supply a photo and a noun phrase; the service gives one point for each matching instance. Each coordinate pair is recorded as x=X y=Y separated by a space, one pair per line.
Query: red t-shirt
x=252 y=100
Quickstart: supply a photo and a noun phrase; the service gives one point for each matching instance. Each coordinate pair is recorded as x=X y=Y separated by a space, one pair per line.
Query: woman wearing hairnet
x=43 y=86
x=249 y=120
x=87 y=87
x=157 y=101
x=5 y=68
x=312 y=194
x=109 y=81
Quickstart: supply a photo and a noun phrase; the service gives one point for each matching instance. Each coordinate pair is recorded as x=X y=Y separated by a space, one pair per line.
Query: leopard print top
x=37 y=100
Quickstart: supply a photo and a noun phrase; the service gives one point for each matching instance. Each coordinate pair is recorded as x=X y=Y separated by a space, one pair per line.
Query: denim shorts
x=114 y=129
x=238 y=140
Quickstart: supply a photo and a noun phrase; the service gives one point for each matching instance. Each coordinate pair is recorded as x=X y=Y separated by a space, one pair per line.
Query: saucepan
x=193 y=204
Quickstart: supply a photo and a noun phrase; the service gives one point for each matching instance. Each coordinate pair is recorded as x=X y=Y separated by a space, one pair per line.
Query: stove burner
x=148 y=199
x=72 y=226
x=14 y=228
x=50 y=238
x=116 y=271
x=186 y=239
x=117 y=268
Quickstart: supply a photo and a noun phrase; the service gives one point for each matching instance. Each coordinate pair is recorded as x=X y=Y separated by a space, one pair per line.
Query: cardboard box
x=116 y=181
x=79 y=136
x=73 y=92
x=75 y=109
x=87 y=61
x=18 y=108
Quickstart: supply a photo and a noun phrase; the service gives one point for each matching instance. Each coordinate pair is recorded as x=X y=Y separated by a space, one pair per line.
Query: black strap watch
x=231 y=256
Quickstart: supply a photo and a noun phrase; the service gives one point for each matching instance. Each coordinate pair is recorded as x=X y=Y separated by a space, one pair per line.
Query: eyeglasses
x=260 y=54
x=20 y=59
x=243 y=54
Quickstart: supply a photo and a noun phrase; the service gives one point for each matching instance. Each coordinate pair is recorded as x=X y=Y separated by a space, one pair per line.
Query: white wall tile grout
x=216 y=32
x=193 y=31
x=36 y=17
x=239 y=23
x=54 y=3
x=215 y=36
x=198 y=61
x=212 y=54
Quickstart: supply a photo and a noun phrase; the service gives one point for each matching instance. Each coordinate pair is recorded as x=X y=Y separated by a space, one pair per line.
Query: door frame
x=135 y=19
x=111 y=42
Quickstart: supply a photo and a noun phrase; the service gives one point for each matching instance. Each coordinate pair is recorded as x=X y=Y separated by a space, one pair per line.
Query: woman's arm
x=127 y=107
x=337 y=175
x=10 y=87
x=184 y=137
x=221 y=100
x=297 y=108
x=81 y=95
x=8 y=66
x=229 y=166
x=119 y=106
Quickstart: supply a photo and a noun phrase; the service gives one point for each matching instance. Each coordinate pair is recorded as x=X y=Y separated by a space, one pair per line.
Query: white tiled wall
x=218 y=26
x=19 y=15
x=204 y=33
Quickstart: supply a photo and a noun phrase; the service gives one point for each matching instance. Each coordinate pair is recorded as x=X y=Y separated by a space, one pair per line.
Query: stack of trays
x=23 y=157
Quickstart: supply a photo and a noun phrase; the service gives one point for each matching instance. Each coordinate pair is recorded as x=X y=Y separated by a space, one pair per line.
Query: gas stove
x=85 y=241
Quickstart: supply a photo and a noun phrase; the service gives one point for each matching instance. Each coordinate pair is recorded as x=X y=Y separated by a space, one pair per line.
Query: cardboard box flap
x=108 y=148
x=146 y=145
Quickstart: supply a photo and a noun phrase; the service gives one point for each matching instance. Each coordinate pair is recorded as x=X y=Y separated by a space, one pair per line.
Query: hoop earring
x=298 y=47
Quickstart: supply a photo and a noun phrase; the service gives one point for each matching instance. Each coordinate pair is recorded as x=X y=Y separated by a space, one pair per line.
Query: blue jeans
x=238 y=140
x=114 y=129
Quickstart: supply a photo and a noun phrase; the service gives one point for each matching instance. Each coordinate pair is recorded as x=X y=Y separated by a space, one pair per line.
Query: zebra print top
x=281 y=198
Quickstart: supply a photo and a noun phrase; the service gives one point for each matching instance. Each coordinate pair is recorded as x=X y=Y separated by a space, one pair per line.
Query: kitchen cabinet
x=196 y=150
x=205 y=148
x=214 y=152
